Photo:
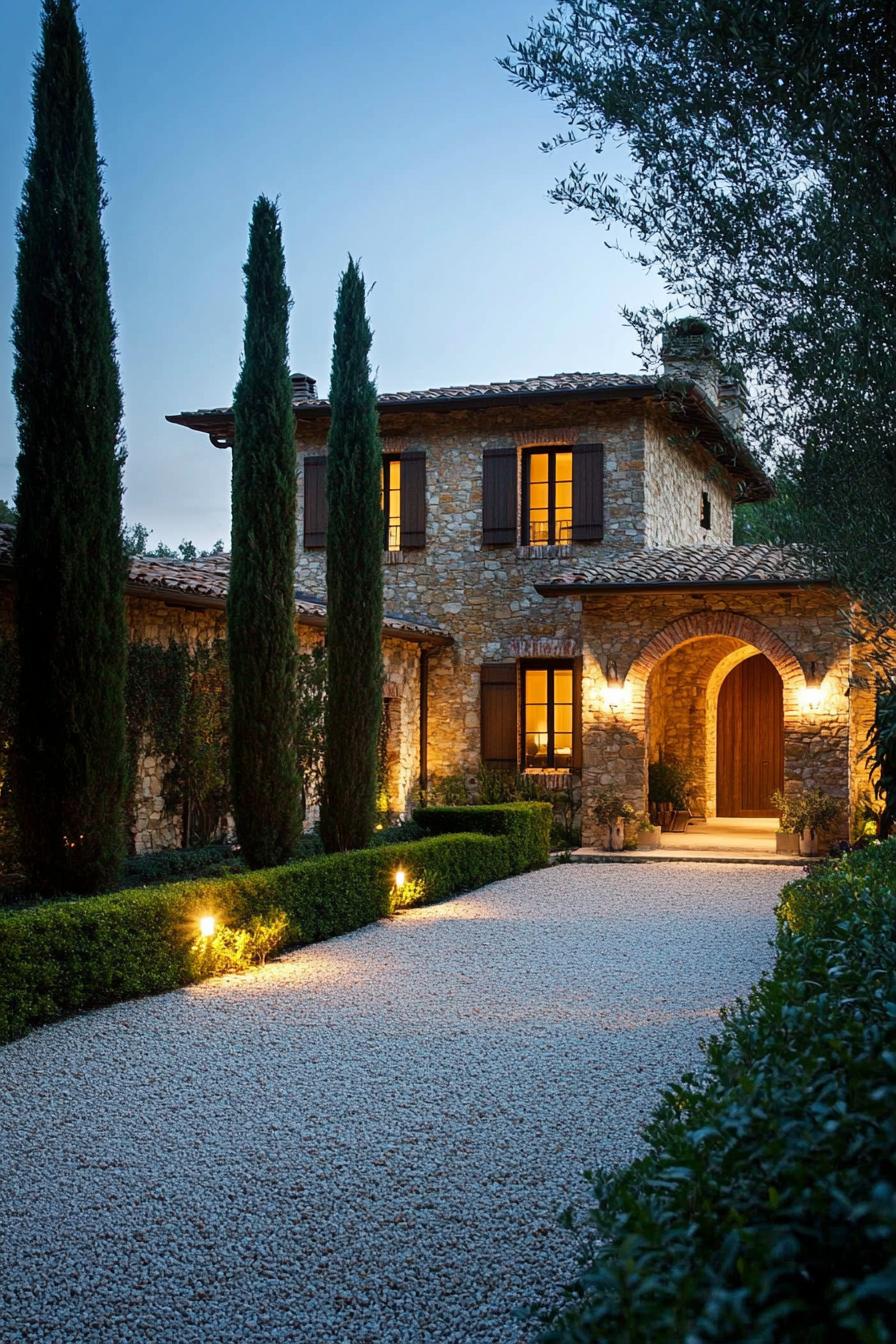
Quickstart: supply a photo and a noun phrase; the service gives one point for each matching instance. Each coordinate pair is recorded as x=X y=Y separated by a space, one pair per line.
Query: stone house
x=564 y=545
x=166 y=600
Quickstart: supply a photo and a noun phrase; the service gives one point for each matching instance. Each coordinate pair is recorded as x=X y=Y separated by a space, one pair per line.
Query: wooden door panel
x=750 y=740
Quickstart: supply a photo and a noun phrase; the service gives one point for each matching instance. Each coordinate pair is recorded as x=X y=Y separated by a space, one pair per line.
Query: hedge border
x=67 y=956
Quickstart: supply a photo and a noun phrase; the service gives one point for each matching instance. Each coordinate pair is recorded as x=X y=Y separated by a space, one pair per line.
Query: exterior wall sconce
x=812 y=690
x=614 y=692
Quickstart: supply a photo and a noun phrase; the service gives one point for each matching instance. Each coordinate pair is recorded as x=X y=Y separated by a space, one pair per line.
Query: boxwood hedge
x=64 y=956
x=765 y=1206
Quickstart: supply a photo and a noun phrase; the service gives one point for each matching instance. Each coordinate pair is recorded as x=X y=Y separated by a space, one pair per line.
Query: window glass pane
x=536 y=749
x=563 y=749
x=538 y=530
x=538 y=496
x=563 y=685
x=536 y=686
x=538 y=468
x=563 y=495
x=393 y=539
x=563 y=466
x=562 y=719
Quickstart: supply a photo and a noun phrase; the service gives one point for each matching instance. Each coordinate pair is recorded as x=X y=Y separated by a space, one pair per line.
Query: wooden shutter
x=413 y=501
x=315 y=503
x=497 y=715
x=588 y=492
x=499 y=497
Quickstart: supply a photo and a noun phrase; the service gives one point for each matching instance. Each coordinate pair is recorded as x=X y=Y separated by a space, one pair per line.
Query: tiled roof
x=690 y=567
x=687 y=403
x=556 y=382
x=208 y=576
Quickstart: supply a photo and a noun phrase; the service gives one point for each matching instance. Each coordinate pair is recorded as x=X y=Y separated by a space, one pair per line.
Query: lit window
x=548 y=711
x=547 y=507
x=390 y=500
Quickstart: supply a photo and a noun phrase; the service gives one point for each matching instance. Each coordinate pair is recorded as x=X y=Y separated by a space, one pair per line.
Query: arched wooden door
x=750 y=739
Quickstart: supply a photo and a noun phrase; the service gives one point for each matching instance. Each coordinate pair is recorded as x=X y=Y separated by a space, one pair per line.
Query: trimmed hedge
x=765 y=1207
x=528 y=825
x=65 y=956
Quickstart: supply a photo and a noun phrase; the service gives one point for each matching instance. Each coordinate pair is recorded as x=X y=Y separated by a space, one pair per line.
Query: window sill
x=404 y=557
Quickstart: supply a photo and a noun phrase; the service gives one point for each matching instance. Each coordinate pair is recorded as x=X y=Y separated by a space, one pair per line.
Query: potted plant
x=819 y=811
x=787 y=837
x=611 y=810
x=668 y=786
x=647 y=834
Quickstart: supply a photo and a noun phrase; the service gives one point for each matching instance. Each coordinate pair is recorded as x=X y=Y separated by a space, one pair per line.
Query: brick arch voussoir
x=702 y=623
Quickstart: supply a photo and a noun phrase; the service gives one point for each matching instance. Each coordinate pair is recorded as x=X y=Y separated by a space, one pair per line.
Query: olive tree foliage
x=761 y=186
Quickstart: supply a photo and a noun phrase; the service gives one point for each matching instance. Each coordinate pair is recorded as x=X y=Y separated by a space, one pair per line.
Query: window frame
x=705 y=511
x=551 y=450
x=388 y=459
x=550 y=666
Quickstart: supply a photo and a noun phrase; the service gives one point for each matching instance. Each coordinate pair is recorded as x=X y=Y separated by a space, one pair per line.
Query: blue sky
x=386 y=130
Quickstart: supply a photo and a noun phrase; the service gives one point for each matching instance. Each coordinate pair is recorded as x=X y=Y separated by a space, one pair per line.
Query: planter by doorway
x=787 y=842
x=649 y=838
x=809 y=841
x=616 y=835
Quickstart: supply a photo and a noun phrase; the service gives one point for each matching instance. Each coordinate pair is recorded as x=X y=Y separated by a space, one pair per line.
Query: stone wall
x=485 y=596
x=677 y=472
x=640 y=631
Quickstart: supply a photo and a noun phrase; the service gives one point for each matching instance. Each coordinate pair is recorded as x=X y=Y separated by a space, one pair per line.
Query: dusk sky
x=387 y=130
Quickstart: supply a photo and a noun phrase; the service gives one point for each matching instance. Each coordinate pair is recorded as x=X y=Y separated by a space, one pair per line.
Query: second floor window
x=547 y=497
x=391 y=501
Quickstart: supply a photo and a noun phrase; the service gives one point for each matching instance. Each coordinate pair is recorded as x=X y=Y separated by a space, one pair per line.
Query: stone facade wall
x=677 y=472
x=484 y=596
x=639 y=631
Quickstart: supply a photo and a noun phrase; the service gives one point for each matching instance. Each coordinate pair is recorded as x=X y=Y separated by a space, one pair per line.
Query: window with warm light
x=390 y=496
x=548 y=709
x=547 y=501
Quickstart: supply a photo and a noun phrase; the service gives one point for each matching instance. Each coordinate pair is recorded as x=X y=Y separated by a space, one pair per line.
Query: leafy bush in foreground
x=765 y=1207
x=68 y=955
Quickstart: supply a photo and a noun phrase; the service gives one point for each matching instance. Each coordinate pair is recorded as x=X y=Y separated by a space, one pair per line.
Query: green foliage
x=669 y=781
x=7 y=512
x=136 y=542
x=66 y=956
x=69 y=762
x=804 y=808
x=881 y=752
x=527 y=826
x=265 y=783
x=354 y=580
x=758 y=184
x=609 y=806
x=10 y=849
x=230 y=950
x=165 y=865
x=311 y=705
x=764 y=1208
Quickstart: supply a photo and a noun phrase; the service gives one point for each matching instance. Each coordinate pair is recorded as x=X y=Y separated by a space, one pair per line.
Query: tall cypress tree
x=69 y=765
x=261 y=604
x=354 y=580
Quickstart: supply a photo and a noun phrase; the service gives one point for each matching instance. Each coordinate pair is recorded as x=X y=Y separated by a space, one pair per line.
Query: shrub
x=765 y=1206
x=669 y=781
x=69 y=955
x=165 y=865
x=526 y=825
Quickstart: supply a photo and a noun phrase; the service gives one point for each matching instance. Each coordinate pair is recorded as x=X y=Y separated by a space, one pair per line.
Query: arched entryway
x=749 y=739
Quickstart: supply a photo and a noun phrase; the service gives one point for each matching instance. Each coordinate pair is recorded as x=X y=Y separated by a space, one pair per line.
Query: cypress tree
x=266 y=786
x=354 y=580
x=69 y=767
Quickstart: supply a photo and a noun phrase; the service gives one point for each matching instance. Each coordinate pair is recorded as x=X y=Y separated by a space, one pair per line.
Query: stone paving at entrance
x=369 y=1139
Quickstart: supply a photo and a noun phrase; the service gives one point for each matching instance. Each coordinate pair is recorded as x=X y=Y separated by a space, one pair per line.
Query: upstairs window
x=705 y=511
x=390 y=498
x=548 y=716
x=547 y=497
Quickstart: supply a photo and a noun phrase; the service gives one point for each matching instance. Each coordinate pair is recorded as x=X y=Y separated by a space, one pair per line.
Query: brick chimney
x=690 y=350
x=304 y=388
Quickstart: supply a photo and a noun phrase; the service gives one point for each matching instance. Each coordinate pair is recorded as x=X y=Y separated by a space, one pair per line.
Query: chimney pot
x=304 y=387
x=690 y=350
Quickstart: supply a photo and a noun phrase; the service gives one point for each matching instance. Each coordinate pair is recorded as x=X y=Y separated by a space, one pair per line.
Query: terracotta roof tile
x=690 y=566
x=208 y=576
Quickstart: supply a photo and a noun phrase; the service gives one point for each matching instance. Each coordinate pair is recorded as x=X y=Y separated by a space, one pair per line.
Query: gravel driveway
x=371 y=1139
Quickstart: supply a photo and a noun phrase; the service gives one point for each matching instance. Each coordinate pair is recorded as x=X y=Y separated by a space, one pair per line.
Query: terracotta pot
x=616 y=835
x=649 y=839
x=809 y=842
x=787 y=842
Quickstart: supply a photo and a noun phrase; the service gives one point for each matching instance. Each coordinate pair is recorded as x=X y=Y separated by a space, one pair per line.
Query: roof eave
x=697 y=586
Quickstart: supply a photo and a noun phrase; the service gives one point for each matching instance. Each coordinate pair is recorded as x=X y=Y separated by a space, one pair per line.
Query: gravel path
x=371 y=1139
